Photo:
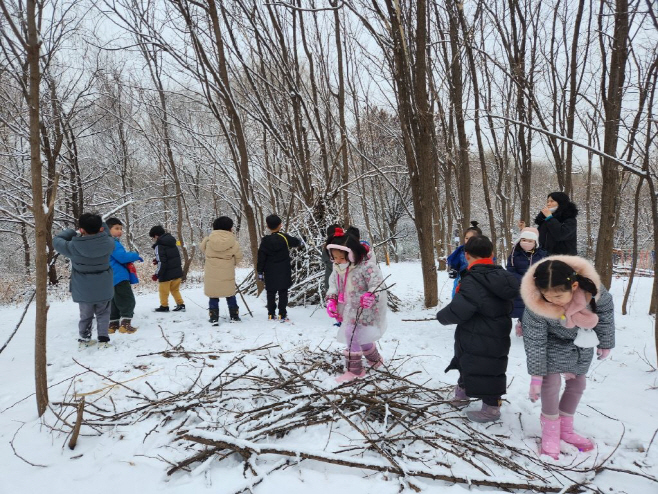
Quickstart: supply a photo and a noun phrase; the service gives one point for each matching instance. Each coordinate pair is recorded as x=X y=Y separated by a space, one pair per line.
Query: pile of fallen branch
x=244 y=403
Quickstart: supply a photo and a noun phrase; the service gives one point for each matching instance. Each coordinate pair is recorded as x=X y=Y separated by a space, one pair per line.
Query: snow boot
x=373 y=357
x=114 y=325
x=104 y=342
x=85 y=343
x=271 y=317
x=283 y=318
x=569 y=436
x=162 y=308
x=179 y=308
x=488 y=413
x=214 y=316
x=234 y=313
x=550 y=436
x=353 y=367
x=459 y=397
x=126 y=327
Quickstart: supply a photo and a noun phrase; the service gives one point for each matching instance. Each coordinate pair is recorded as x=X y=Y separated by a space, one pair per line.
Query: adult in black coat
x=558 y=225
x=274 y=266
x=481 y=309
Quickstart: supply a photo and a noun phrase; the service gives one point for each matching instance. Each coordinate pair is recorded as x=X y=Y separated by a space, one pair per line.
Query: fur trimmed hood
x=532 y=297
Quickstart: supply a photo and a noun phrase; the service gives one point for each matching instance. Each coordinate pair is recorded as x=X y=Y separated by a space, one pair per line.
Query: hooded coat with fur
x=548 y=344
x=481 y=309
x=558 y=234
x=222 y=255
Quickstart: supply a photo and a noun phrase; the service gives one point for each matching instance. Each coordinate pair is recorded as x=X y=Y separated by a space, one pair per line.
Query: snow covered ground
x=619 y=409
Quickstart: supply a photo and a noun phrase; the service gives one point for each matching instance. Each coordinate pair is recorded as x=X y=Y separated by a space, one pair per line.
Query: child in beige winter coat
x=222 y=255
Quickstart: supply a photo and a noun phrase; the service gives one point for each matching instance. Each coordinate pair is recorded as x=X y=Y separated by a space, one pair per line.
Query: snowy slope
x=133 y=456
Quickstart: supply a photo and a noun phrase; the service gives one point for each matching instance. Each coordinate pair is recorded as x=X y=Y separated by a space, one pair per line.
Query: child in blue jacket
x=457 y=260
x=123 y=275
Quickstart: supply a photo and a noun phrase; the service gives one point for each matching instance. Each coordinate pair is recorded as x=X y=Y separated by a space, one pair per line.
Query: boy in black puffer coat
x=481 y=309
x=170 y=269
x=274 y=266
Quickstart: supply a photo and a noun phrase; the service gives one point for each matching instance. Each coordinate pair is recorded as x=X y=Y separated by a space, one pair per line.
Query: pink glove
x=535 y=388
x=519 y=328
x=602 y=353
x=332 y=308
x=367 y=300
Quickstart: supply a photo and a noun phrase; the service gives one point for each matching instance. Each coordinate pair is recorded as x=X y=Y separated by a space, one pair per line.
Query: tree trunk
x=41 y=255
x=341 y=116
x=609 y=168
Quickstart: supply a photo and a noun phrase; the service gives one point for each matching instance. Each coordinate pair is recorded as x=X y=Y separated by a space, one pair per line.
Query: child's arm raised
x=122 y=256
x=61 y=242
x=535 y=340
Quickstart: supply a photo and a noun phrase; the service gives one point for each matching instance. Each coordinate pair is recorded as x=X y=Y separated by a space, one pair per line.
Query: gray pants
x=87 y=312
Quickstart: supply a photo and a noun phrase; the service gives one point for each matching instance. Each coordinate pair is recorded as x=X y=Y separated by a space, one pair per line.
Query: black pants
x=123 y=303
x=283 y=302
x=493 y=401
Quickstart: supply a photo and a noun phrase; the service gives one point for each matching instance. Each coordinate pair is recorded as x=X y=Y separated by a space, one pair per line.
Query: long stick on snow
x=243 y=300
x=20 y=321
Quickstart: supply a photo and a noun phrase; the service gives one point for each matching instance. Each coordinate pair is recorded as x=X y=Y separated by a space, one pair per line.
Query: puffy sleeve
x=605 y=329
x=535 y=340
x=462 y=307
x=61 y=242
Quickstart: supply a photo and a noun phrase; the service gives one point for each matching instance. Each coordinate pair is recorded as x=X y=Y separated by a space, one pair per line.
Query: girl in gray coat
x=568 y=314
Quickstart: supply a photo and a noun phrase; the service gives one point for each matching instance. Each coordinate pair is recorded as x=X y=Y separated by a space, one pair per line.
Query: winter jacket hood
x=167 y=240
x=220 y=240
x=91 y=275
x=495 y=280
x=533 y=298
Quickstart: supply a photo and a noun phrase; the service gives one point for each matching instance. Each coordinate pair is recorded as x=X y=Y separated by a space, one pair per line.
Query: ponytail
x=589 y=286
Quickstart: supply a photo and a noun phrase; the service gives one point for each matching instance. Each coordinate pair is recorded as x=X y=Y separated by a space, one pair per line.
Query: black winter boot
x=179 y=308
x=235 y=314
x=214 y=316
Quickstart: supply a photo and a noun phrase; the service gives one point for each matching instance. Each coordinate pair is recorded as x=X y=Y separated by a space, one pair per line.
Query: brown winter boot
x=114 y=325
x=126 y=327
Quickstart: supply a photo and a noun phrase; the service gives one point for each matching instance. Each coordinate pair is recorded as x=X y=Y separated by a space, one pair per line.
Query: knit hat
x=530 y=233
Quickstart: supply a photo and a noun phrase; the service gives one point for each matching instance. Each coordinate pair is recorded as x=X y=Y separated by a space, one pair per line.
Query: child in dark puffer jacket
x=526 y=252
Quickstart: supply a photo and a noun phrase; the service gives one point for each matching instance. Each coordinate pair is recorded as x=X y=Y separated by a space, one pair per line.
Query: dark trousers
x=213 y=303
x=123 y=303
x=283 y=302
x=493 y=401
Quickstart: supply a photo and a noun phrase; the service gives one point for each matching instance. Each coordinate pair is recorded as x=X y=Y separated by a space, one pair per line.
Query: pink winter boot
x=569 y=436
x=353 y=367
x=550 y=436
x=373 y=357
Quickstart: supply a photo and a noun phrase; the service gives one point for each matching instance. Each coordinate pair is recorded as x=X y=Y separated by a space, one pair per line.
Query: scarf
x=578 y=314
